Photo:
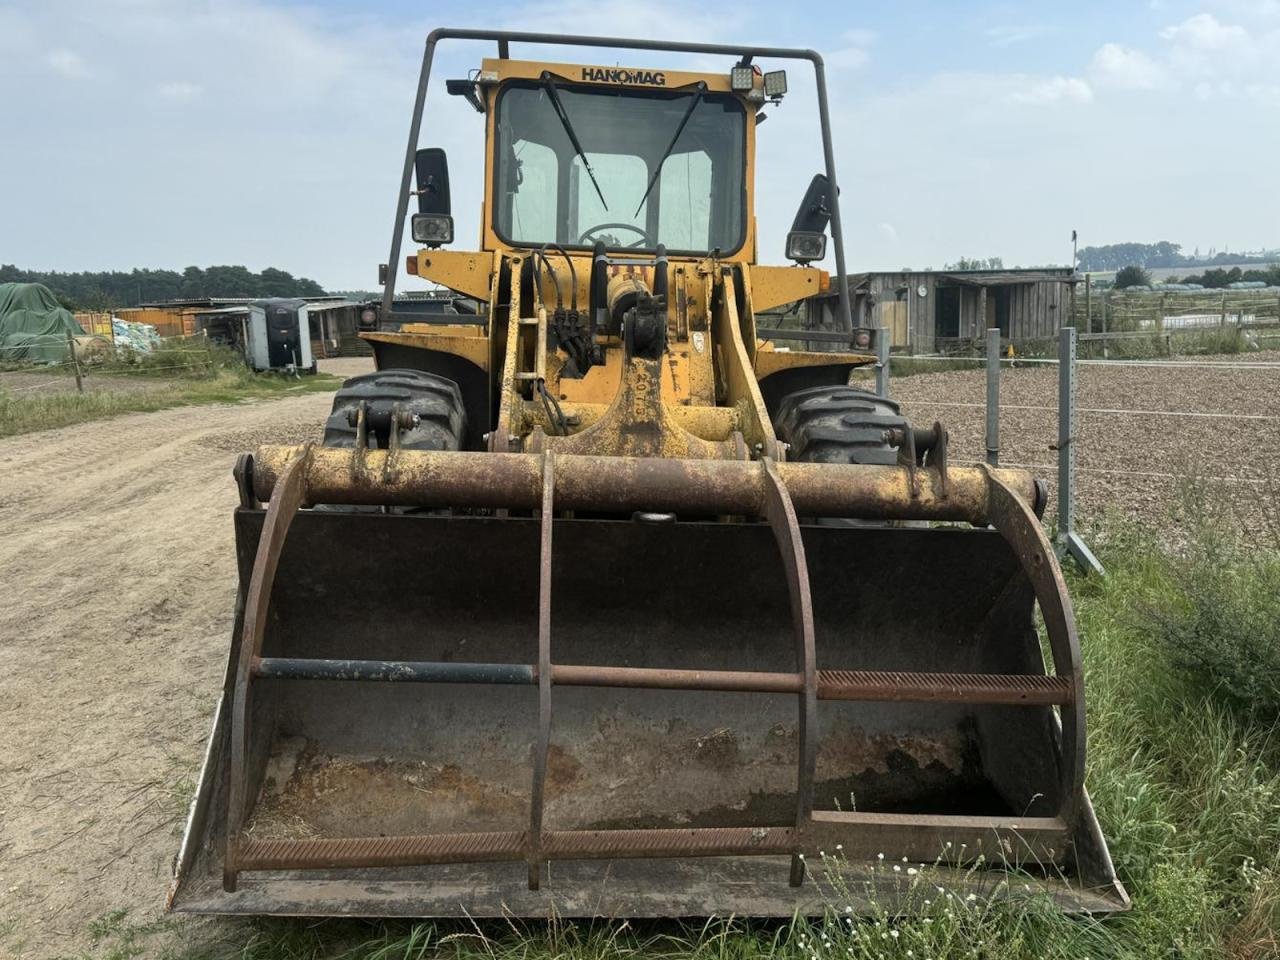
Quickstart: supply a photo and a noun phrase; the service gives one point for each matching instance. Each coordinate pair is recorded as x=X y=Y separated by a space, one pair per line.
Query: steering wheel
x=644 y=240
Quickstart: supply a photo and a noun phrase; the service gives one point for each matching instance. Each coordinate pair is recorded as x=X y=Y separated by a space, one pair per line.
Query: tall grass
x=181 y=371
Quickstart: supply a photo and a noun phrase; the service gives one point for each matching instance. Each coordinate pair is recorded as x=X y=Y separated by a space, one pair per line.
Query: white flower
x=912 y=871
x=839 y=846
x=972 y=897
x=894 y=934
x=896 y=868
x=879 y=856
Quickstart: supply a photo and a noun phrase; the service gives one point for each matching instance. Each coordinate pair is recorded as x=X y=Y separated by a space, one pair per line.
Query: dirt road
x=116 y=558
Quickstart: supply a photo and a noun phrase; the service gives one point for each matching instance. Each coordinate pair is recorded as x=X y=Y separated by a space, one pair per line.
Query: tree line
x=1136 y=276
x=1116 y=256
x=113 y=289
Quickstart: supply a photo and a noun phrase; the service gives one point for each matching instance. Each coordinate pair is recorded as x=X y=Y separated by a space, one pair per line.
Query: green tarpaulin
x=32 y=324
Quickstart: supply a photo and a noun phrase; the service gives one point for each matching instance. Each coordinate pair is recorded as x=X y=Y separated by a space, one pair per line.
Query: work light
x=775 y=83
x=803 y=246
x=741 y=78
x=432 y=229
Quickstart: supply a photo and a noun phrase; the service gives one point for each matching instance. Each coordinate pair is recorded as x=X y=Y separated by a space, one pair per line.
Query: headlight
x=775 y=83
x=432 y=229
x=742 y=78
x=804 y=247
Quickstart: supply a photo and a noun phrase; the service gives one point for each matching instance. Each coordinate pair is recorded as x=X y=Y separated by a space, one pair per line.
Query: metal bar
x=987 y=688
x=829 y=160
x=993 y=396
x=920 y=837
x=786 y=531
x=1079 y=551
x=623 y=484
x=406 y=178
x=537 y=797
x=391 y=671
x=817 y=336
x=1066 y=429
x=1020 y=529
x=882 y=362
x=650 y=678
x=283 y=507
x=863 y=685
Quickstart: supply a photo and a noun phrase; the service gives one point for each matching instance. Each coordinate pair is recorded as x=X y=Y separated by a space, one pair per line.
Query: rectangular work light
x=742 y=78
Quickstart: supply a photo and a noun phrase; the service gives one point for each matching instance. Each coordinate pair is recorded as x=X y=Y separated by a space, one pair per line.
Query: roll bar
x=504 y=38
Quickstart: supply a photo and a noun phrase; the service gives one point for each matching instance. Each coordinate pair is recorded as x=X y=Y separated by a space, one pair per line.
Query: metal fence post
x=1069 y=541
x=882 y=362
x=993 y=396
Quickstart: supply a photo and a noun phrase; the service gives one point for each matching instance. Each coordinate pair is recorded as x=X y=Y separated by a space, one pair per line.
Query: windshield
x=544 y=192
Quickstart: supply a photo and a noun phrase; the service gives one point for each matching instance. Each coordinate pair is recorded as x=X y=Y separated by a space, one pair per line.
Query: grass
x=181 y=372
x=1184 y=777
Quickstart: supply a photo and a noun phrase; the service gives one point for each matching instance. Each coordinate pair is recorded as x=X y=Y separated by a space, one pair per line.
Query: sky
x=165 y=133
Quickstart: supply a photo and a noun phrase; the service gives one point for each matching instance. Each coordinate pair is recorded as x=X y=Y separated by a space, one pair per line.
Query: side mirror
x=432 y=225
x=432 y=169
x=807 y=239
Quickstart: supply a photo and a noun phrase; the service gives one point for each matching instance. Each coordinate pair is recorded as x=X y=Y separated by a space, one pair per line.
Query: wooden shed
x=927 y=311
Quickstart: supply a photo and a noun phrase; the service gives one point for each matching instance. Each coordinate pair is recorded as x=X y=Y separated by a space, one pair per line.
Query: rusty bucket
x=545 y=713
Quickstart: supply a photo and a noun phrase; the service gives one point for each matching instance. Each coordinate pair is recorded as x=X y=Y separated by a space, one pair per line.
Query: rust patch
x=563 y=768
x=337 y=796
x=718 y=749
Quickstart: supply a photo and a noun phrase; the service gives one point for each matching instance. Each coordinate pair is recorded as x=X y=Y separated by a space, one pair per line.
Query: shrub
x=1220 y=617
x=1132 y=276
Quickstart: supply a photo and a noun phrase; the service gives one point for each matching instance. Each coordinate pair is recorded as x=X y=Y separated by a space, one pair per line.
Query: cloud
x=68 y=63
x=1126 y=69
x=179 y=91
x=853 y=51
x=1059 y=89
x=889 y=231
x=1226 y=60
x=1005 y=35
x=1204 y=32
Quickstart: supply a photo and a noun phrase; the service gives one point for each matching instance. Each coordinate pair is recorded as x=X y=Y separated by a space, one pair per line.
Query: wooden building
x=930 y=310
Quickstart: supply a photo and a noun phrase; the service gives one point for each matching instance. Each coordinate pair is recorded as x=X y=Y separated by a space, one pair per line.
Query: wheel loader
x=603 y=596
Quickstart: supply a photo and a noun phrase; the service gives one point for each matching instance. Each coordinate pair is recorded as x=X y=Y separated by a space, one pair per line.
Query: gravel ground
x=1130 y=461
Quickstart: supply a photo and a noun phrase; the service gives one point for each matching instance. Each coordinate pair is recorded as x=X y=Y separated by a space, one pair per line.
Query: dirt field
x=1131 y=453
x=117 y=554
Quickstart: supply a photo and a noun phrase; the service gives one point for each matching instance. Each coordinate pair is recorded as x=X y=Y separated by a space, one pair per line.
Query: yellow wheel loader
x=601 y=597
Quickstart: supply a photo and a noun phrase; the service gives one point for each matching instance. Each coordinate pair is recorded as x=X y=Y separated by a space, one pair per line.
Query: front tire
x=435 y=403
x=839 y=425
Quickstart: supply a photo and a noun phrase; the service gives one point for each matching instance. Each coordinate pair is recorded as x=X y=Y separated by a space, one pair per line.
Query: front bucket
x=372 y=765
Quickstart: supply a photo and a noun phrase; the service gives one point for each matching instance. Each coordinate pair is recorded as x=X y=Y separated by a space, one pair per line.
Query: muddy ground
x=116 y=558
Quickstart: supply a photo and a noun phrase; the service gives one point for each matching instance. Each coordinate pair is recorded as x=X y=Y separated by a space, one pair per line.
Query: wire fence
x=1145 y=426
x=185 y=354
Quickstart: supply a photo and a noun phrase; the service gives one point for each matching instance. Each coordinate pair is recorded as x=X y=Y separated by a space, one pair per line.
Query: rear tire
x=838 y=425
x=436 y=402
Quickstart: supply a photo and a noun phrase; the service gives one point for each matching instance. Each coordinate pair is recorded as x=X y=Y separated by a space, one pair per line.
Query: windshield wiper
x=554 y=97
x=693 y=105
